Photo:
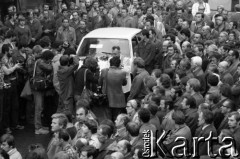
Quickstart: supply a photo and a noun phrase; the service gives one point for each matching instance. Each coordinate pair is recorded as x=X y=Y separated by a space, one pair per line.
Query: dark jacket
x=223 y=125
x=43 y=68
x=202 y=147
x=183 y=131
x=113 y=79
x=199 y=74
x=103 y=151
x=80 y=34
x=191 y=119
x=65 y=77
x=147 y=52
x=236 y=93
x=36 y=28
x=91 y=81
x=23 y=35
x=138 y=90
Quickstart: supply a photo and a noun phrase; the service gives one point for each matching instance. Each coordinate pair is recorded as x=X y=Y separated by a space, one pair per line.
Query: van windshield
x=99 y=47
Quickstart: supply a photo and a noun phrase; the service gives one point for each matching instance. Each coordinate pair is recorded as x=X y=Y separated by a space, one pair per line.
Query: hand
x=18 y=65
x=104 y=11
x=46 y=31
x=120 y=5
x=33 y=39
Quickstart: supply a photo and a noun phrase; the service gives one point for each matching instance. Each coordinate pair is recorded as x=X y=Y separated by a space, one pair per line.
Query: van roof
x=115 y=32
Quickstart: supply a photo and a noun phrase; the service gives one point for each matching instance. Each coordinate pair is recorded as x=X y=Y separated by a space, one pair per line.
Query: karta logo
x=183 y=145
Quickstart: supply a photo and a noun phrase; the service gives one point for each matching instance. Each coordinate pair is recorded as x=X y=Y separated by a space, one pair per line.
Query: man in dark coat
x=104 y=134
x=146 y=49
x=138 y=89
x=205 y=121
x=191 y=116
x=227 y=107
x=112 y=80
x=65 y=77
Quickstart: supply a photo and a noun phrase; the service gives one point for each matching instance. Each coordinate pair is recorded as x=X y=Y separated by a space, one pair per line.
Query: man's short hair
x=106 y=130
x=92 y=125
x=186 y=32
x=64 y=60
x=63 y=134
x=235 y=53
x=6 y=48
x=197 y=60
x=145 y=33
x=194 y=84
x=115 y=61
x=178 y=117
x=124 y=118
x=9 y=139
x=144 y=115
x=190 y=101
x=236 y=115
x=208 y=116
x=231 y=105
x=62 y=119
x=225 y=90
x=139 y=62
x=213 y=80
x=133 y=128
x=153 y=108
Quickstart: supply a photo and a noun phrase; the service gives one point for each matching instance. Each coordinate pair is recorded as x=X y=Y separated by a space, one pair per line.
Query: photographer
x=68 y=64
x=11 y=109
x=43 y=69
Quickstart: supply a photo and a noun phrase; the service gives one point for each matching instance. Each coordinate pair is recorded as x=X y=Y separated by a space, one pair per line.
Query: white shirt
x=195 y=8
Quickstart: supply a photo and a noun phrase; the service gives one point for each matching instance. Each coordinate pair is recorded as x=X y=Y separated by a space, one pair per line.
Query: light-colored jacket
x=14 y=154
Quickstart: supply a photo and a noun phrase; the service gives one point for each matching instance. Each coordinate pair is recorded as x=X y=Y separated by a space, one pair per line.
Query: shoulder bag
x=40 y=83
x=86 y=93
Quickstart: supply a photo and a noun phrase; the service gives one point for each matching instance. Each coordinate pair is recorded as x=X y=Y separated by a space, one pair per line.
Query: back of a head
x=144 y=115
x=109 y=123
x=64 y=60
x=207 y=116
x=106 y=130
x=139 y=62
x=197 y=60
x=69 y=51
x=47 y=55
x=178 y=117
x=63 y=134
x=115 y=61
x=133 y=129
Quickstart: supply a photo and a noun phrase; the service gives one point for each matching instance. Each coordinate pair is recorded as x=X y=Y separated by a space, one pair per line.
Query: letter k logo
x=160 y=143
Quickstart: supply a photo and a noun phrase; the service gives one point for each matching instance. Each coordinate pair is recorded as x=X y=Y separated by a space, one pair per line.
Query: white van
x=98 y=43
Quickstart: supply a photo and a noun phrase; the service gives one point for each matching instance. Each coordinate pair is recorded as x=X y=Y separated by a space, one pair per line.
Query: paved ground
x=26 y=137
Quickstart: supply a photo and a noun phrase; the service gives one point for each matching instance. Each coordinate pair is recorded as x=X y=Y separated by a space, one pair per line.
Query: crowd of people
x=185 y=79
